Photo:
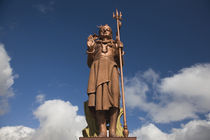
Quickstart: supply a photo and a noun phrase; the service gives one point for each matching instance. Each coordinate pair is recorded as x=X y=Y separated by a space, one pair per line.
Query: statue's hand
x=90 y=42
x=119 y=44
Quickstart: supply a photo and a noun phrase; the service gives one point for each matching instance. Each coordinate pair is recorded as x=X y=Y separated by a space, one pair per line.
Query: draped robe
x=103 y=84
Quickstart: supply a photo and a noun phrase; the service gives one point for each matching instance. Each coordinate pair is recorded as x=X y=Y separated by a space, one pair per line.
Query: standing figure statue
x=103 y=85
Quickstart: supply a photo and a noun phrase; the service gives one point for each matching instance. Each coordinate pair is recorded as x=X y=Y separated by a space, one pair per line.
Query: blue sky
x=166 y=46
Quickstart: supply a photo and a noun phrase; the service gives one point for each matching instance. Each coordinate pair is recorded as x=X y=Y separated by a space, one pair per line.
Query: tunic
x=103 y=84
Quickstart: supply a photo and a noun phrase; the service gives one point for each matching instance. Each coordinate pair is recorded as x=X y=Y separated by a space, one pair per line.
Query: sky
x=44 y=72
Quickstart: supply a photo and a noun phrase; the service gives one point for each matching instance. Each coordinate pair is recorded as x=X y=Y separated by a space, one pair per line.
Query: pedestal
x=107 y=138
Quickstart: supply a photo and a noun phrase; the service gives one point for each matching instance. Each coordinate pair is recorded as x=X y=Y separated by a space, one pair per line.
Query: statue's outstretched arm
x=90 y=50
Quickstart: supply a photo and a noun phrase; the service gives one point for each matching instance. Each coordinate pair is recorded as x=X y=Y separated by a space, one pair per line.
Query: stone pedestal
x=107 y=138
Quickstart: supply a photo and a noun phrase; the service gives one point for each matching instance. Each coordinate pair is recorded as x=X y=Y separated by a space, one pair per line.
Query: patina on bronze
x=104 y=60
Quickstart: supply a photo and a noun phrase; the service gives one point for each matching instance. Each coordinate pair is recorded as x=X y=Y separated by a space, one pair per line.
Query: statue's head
x=105 y=32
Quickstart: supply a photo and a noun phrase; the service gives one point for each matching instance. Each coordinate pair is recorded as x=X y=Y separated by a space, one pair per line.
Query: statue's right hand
x=90 y=42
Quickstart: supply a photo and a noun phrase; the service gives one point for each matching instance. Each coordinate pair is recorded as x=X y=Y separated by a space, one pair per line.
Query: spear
x=118 y=17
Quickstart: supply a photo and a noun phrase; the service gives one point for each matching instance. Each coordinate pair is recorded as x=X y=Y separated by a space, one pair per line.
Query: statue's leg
x=113 y=121
x=100 y=115
x=114 y=111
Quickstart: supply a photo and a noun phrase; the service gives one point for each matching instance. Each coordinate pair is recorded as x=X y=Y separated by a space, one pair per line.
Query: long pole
x=118 y=17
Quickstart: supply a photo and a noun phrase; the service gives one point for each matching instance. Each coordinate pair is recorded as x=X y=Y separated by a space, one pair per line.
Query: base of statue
x=108 y=138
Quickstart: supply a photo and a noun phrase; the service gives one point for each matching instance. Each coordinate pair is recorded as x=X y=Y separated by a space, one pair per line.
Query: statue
x=104 y=61
x=103 y=85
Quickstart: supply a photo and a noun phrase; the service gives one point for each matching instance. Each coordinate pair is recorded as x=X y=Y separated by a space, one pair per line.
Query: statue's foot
x=112 y=134
x=102 y=134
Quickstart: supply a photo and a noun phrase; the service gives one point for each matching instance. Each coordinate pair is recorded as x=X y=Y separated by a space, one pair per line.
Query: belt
x=104 y=57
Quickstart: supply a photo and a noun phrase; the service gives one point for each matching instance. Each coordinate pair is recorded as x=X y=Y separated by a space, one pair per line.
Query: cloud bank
x=58 y=120
x=170 y=99
x=6 y=80
x=15 y=132
x=193 y=130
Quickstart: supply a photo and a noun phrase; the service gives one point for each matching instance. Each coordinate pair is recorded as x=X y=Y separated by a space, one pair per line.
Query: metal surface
x=118 y=17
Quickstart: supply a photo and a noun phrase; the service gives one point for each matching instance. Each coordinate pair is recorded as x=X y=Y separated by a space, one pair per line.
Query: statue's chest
x=105 y=48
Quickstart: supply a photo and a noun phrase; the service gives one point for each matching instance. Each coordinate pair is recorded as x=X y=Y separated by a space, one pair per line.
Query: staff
x=118 y=17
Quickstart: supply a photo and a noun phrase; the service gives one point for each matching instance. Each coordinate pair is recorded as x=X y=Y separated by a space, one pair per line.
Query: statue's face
x=106 y=32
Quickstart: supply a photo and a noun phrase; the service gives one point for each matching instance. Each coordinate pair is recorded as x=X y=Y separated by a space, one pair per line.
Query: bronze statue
x=105 y=60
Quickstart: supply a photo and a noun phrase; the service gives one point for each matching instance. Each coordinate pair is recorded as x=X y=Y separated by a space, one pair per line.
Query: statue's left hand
x=119 y=44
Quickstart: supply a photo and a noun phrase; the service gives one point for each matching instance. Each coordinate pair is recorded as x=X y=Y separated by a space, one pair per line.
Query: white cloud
x=151 y=76
x=208 y=117
x=175 y=98
x=135 y=90
x=193 y=81
x=194 y=130
x=15 y=132
x=191 y=85
x=149 y=132
x=58 y=120
x=40 y=98
x=6 y=80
